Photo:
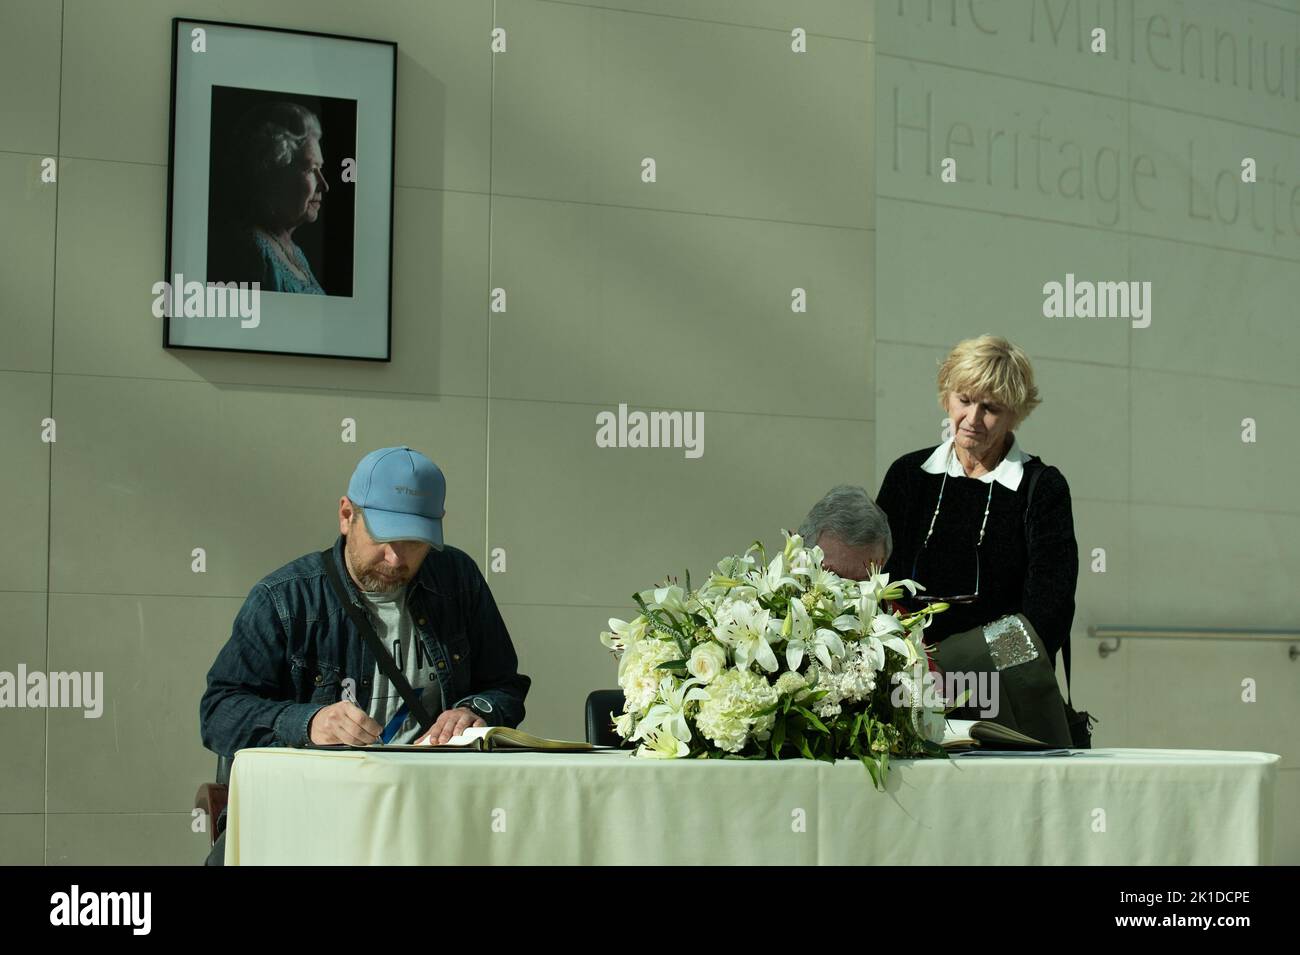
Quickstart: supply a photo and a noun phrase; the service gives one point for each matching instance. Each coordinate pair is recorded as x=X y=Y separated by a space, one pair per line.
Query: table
x=1091 y=807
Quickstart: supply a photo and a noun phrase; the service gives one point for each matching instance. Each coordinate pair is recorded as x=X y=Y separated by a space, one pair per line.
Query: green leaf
x=857 y=728
x=672 y=665
x=778 y=738
x=812 y=718
x=868 y=762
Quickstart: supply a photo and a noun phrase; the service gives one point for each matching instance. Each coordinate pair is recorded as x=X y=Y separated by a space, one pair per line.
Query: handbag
x=1022 y=693
x=383 y=658
x=1080 y=722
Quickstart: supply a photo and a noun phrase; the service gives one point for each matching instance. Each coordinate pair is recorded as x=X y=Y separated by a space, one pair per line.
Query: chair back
x=600 y=727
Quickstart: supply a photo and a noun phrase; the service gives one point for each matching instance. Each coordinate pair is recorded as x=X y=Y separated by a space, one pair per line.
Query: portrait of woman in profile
x=273 y=183
x=965 y=528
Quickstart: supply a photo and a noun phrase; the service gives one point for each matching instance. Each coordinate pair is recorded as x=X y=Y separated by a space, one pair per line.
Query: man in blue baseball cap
x=390 y=635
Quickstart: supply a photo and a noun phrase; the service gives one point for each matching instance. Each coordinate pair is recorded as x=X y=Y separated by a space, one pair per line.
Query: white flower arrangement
x=776 y=658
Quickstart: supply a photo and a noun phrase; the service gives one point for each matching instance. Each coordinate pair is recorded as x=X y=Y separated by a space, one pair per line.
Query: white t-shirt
x=397 y=633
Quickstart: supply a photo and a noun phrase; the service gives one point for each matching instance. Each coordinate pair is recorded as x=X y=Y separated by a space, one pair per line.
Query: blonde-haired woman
x=962 y=521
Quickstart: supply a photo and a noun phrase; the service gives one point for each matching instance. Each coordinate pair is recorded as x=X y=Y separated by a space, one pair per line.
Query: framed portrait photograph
x=280 y=192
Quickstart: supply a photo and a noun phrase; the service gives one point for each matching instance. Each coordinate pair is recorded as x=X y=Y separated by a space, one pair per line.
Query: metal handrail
x=1118 y=634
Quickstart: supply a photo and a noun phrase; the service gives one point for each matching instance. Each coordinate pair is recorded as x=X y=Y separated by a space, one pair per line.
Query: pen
x=394 y=725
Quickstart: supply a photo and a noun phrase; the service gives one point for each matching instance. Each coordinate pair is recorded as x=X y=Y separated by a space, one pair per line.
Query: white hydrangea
x=729 y=717
x=789 y=683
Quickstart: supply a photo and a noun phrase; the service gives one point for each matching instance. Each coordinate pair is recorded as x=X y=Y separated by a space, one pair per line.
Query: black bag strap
x=387 y=666
x=1035 y=474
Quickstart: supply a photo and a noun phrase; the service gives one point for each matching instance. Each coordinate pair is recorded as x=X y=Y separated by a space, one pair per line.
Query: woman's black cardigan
x=1031 y=571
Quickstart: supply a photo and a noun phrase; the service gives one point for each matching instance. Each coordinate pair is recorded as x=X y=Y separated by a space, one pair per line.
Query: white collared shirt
x=1008 y=472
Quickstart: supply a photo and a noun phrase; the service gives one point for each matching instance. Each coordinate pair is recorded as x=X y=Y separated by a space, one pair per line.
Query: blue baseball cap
x=401 y=494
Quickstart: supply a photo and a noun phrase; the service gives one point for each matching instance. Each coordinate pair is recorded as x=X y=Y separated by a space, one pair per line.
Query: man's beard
x=373 y=581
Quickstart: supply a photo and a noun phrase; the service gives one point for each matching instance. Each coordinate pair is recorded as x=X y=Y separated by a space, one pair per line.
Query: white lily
x=865 y=612
x=661 y=744
x=669 y=714
x=873 y=652
x=827 y=646
x=801 y=564
x=850 y=623
x=735 y=566
x=793 y=542
x=827 y=581
x=744 y=627
x=878 y=586
x=875 y=585
x=843 y=598
x=671 y=598
x=805 y=638
x=893 y=635
x=745 y=592
x=621 y=632
x=773 y=579
x=730 y=581
x=867 y=606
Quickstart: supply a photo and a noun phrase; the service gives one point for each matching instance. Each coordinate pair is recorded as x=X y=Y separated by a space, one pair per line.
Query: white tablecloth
x=1105 y=806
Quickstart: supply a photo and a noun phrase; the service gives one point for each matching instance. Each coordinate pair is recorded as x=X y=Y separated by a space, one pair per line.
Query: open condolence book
x=981 y=734
x=490 y=738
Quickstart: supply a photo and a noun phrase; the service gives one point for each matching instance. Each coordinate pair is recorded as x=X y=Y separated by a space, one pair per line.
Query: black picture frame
x=329 y=295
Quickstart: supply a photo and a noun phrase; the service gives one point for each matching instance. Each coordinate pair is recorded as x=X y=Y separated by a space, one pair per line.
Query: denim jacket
x=293 y=646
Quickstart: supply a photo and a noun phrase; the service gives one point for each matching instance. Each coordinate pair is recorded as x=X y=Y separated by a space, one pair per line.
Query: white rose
x=707 y=661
